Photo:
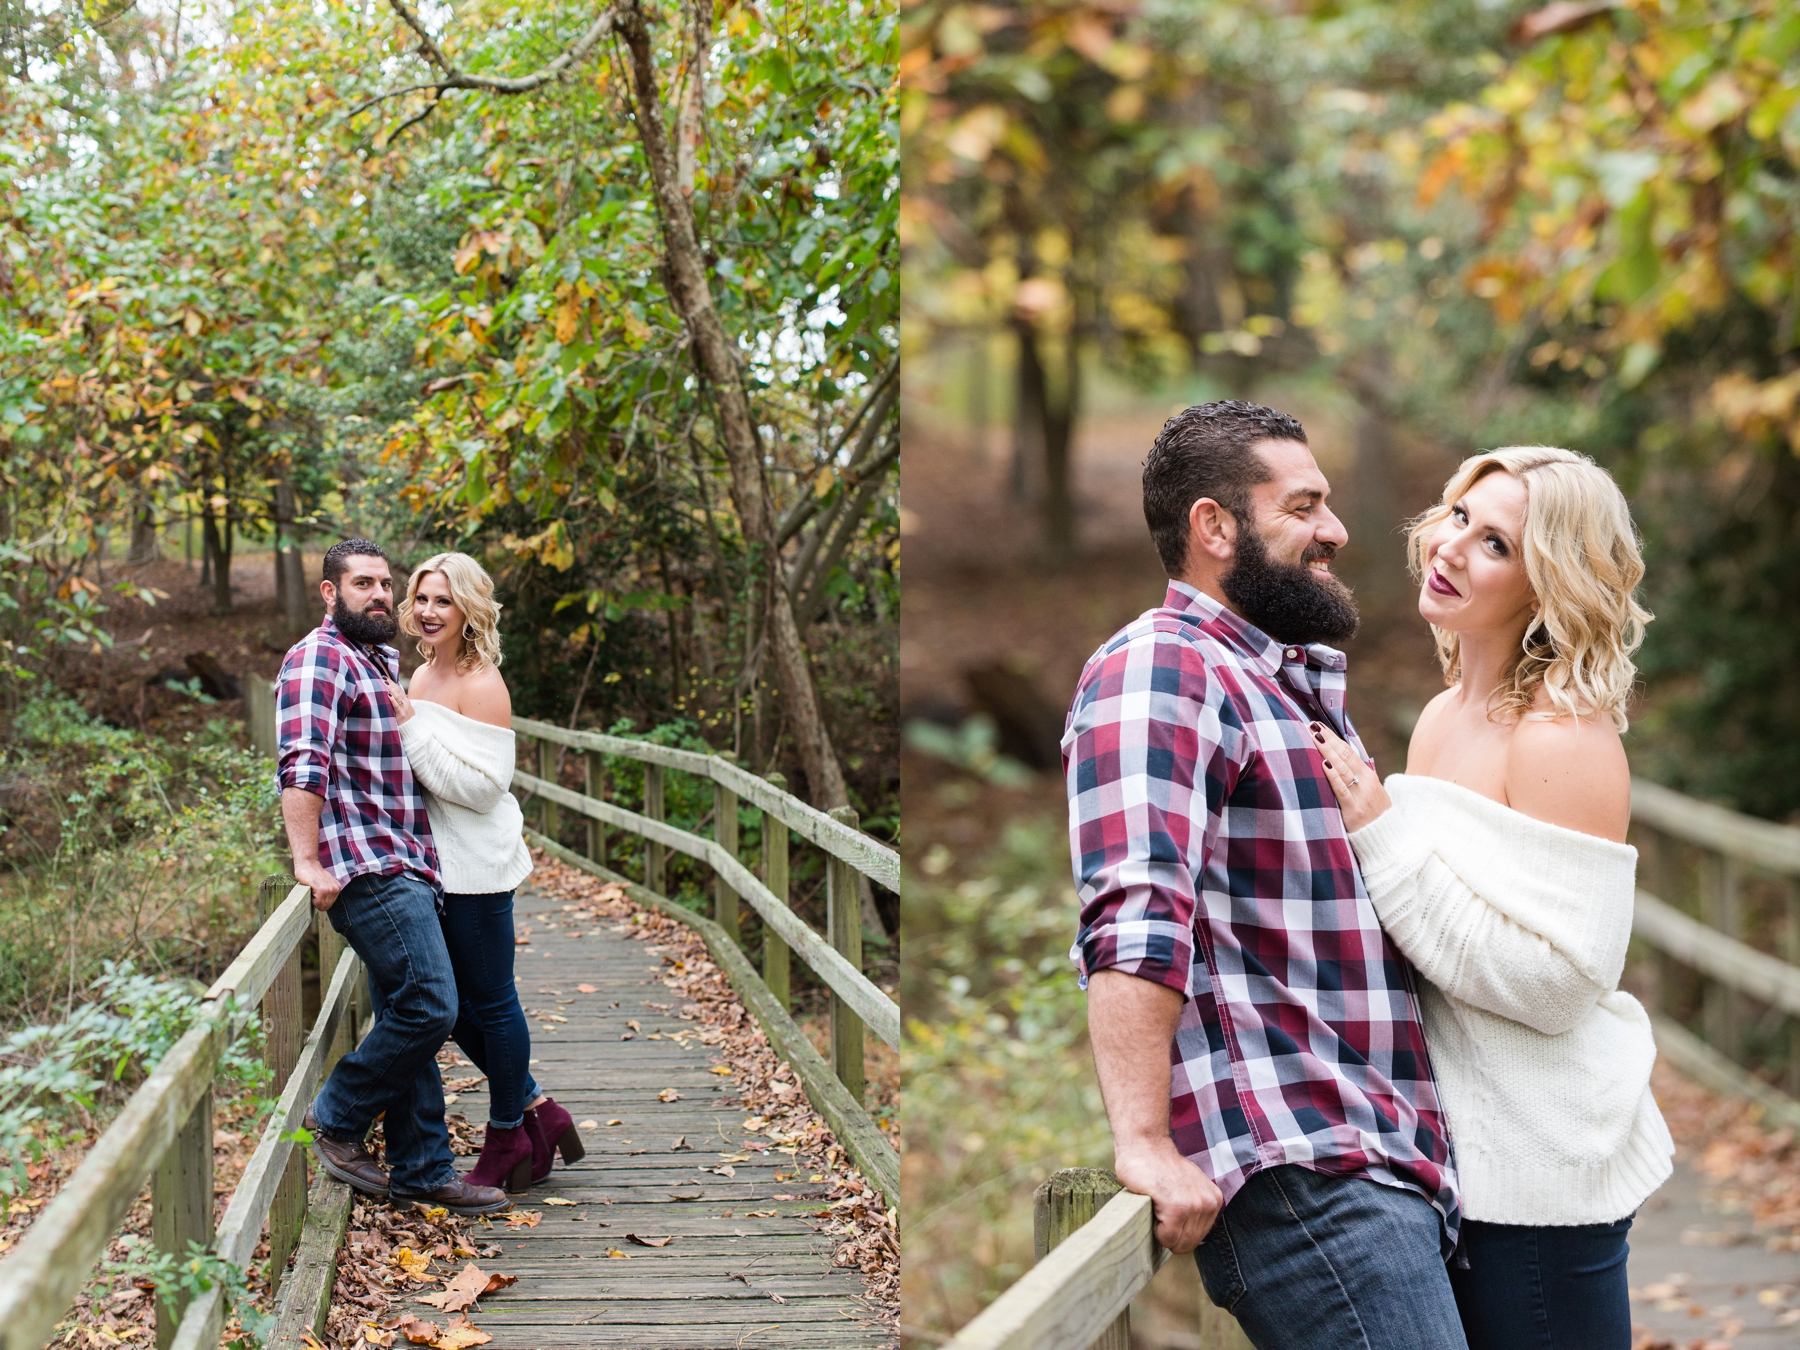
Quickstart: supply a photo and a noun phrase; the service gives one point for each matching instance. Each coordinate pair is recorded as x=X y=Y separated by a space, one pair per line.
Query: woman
x=1498 y=865
x=456 y=726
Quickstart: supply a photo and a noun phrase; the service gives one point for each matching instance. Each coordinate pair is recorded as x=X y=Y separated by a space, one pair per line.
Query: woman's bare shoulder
x=1570 y=771
x=1428 y=732
x=485 y=697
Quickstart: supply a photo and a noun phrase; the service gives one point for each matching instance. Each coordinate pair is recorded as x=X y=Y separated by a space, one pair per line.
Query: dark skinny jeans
x=490 y=1023
x=1551 y=1288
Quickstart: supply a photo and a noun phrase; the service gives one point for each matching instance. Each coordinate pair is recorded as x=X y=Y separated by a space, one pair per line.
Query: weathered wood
x=241 y=1227
x=181 y=1206
x=878 y=1011
x=1062 y=1205
x=1758 y=843
x=594 y=776
x=282 y=1038
x=548 y=820
x=858 y=1134
x=41 y=1276
x=250 y=974
x=331 y=950
x=1070 y=1298
x=775 y=877
x=259 y=713
x=725 y=834
x=1745 y=969
x=1707 y=1066
x=307 y=1298
x=655 y=854
x=843 y=917
x=875 y=861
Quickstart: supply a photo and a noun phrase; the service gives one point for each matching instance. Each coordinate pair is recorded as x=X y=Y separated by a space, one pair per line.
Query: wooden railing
x=1722 y=877
x=164 y=1136
x=836 y=1090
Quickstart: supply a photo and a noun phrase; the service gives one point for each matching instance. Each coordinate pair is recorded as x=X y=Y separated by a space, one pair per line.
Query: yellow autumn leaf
x=724 y=1070
x=616 y=1254
x=668 y=1095
x=415 y=1264
x=568 y=318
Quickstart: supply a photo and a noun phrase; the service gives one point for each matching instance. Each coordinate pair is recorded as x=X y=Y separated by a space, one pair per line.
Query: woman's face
x=1474 y=561
x=440 y=621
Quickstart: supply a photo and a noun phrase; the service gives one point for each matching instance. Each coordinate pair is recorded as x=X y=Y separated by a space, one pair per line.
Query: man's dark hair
x=337 y=557
x=1205 y=451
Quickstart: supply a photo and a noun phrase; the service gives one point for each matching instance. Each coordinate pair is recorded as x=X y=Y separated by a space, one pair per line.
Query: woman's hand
x=403 y=708
x=1361 y=797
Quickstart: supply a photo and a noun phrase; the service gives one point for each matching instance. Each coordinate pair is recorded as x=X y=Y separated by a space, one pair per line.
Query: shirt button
x=1293 y=653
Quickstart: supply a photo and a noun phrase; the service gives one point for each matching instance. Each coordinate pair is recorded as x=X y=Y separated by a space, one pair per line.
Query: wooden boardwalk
x=726 y=1278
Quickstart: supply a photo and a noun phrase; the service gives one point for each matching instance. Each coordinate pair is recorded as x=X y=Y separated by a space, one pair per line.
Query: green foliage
x=184 y=1278
x=55 y=1077
x=1000 y=1089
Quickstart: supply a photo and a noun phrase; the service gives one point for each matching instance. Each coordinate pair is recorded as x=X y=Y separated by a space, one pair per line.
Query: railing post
x=843 y=917
x=1060 y=1206
x=593 y=784
x=549 y=817
x=654 y=854
x=331 y=950
x=725 y=833
x=775 y=877
x=1790 y=943
x=181 y=1206
x=282 y=1036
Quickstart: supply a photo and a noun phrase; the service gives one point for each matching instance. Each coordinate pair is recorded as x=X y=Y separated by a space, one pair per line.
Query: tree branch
x=456 y=79
x=808 y=506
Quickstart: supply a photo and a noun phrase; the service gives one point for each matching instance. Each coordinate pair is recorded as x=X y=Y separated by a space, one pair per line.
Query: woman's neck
x=1487 y=658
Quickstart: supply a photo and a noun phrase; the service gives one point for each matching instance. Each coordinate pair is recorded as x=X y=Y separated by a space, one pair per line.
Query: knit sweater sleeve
x=1463 y=942
x=443 y=772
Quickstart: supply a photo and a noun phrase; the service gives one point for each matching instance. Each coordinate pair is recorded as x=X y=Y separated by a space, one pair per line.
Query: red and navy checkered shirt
x=338 y=737
x=1211 y=857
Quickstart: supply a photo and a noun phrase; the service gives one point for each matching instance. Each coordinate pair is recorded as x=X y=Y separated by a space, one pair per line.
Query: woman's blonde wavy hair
x=1582 y=559
x=472 y=591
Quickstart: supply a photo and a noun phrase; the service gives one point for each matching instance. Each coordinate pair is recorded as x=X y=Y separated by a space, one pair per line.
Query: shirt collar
x=1261 y=650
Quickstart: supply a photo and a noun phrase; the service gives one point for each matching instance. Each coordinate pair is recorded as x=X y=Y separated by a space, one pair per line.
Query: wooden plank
x=875 y=861
x=548 y=821
x=878 y=1011
x=593 y=769
x=250 y=975
x=1059 y=1208
x=655 y=856
x=725 y=835
x=283 y=1036
x=859 y=1135
x=1759 y=843
x=1707 y=1066
x=775 y=971
x=1069 y=1298
x=41 y=1277
x=843 y=917
x=307 y=1297
x=181 y=1207
x=1693 y=943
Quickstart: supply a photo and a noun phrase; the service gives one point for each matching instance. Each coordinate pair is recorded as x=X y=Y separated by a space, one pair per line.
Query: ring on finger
x=1356 y=780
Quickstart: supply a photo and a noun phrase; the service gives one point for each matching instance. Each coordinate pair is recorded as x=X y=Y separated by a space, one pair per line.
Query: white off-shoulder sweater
x=465 y=768
x=1542 y=1064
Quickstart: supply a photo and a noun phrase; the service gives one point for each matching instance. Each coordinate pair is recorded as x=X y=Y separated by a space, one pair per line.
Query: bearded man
x=361 y=840
x=1257 y=1038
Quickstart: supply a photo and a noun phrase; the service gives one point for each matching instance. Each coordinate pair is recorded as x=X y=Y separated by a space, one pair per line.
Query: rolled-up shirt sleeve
x=1148 y=754
x=307 y=694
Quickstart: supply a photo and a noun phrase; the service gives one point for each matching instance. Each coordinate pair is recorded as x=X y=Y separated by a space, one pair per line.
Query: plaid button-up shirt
x=1211 y=857
x=338 y=739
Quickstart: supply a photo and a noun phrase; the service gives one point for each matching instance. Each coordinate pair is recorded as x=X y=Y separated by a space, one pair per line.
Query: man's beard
x=372 y=629
x=1289 y=601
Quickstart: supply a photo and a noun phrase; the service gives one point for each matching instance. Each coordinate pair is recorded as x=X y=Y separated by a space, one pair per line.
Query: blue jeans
x=391 y=922
x=1305 y=1261
x=490 y=1025
x=1551 y=1288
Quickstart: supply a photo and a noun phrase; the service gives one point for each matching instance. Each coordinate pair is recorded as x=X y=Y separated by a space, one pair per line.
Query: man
x=357 y=827
x=1257 y=1038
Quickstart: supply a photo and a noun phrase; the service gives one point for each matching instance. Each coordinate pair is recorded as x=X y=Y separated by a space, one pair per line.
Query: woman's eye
x=1499 y=546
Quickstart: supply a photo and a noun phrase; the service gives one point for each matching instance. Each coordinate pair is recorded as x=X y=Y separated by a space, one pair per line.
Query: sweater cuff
x=1388 y=848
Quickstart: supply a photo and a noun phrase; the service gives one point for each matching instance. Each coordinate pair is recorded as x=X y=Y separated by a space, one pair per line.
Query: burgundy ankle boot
x=551 y=1128
x=506 y=1157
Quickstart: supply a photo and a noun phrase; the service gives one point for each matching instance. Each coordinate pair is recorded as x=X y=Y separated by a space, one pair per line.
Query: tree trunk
x=143 y=534
x=290 y=580
x=717 y=357
x=218 y=554
x=1047 y=416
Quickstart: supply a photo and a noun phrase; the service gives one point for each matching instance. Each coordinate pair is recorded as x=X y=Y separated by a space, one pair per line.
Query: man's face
x=1281 y=578
x=362 y=600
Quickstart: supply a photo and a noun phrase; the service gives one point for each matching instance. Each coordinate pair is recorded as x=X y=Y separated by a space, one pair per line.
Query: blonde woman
x=456 y=727
x=1498 y=864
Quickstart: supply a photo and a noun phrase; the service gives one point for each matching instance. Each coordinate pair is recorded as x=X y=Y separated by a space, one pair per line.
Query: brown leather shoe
x=351 y=1164
x=458 y=1196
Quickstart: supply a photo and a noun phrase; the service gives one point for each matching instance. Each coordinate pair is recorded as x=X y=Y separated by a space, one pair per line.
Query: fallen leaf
x=634 y=1026
x=523 y=1218
x=592 y=1124
x=462 y=1251
x=374 y=1335
x=722 y=1069
x=648 y=1242
x=419 y=1333
x=310 y=1341
x=415 y=1264
x=587 y=988
x=459 y=1335
x=678 y=1195
x=616 y=1254
x=734 y=1157
x=588 y=1124
x=668 y=1095
x=680 y=1145
x=777 y=1297
x=725 y=1171
x=760 y=1214
x=557 y=1200
x=469 y=1284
